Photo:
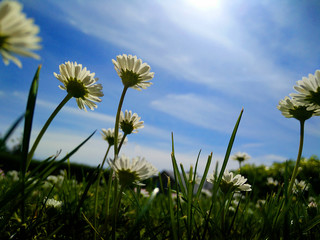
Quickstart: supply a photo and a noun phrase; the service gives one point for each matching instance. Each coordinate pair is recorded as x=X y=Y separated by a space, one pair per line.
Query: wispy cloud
x=209 y=113
x=216 y=50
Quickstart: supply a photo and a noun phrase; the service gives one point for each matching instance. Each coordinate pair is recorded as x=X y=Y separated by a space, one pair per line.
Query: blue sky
x=210 y=59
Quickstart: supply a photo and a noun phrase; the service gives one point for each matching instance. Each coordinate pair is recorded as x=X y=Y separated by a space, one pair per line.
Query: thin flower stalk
x=295 y=170
x=107 y=135
x=292 y=108
x=122 y=141
x=134 y=74
x=46 y=125
x=116 y=127
x=118 y=196
x=96 y=196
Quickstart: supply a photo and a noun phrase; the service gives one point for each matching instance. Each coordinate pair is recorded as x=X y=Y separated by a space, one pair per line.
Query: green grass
x=163 y=216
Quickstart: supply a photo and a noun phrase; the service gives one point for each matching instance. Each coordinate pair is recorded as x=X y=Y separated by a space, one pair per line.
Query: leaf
x=28 y=120
x=10 y=131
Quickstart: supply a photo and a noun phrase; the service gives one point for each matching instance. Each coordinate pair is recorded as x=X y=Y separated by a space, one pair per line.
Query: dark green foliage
x=257 y=175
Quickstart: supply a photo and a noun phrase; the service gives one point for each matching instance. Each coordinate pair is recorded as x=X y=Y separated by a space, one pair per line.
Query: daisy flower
x=308 y=90
x=50 y=202
x=312 y=209
x=80 y=84
x=300 y=186
x=240 y=156
x=18 y=34
x=272 y=182
x=291 y=108
x=108 y=135
x=130 y=123
x=133 y=72
x=231 y=183
x=132 y=172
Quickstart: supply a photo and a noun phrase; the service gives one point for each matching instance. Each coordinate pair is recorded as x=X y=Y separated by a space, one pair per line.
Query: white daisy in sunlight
x=309 y=90
x=132 y=172
x=108 y=135
x=240 y=156
x=290 y=108
x=18 y=34
x=133 y=72
x=80 y=84
x=231 y=183
x=130 y=123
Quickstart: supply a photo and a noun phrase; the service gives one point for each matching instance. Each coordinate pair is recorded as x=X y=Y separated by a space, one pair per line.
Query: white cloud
x=93 y=152
x=210 y=113
x=216 y=50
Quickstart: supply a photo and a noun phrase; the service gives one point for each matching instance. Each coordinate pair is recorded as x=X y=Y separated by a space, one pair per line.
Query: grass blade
x=10 y=131
x=204 y=177
x=227 y=155
x=28 y=120
x=225 y=161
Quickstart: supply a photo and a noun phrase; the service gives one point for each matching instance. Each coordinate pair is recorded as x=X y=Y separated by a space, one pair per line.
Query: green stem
x=295 y=171
x=223 y=213
x=122 y=140
x=116 y=128
x=46 y=125
x=97 y=190
x=108 y=200
x=116 y=211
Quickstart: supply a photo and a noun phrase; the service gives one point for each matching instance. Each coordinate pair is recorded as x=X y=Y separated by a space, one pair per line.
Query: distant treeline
x=9 y=161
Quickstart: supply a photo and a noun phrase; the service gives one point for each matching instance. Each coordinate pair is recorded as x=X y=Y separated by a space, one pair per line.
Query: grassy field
x=63 y=207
